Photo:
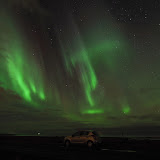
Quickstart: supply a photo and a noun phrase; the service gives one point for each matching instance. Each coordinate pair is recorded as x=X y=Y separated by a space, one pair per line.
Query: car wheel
x=67 y=144
x=90 y=144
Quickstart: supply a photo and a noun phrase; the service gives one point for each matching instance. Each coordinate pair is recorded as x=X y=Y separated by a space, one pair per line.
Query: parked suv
x=89 y=138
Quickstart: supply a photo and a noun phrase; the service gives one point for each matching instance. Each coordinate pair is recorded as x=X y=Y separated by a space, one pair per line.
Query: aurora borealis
x=16 y=72
x=81 y=64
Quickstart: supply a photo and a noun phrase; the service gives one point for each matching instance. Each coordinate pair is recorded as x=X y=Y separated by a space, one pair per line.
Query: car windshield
x=95 y=133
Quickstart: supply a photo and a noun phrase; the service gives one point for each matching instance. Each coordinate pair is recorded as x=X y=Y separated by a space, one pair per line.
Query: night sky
x=67 y=65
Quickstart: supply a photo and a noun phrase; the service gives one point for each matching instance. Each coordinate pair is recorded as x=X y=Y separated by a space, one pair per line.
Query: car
x=86 y=137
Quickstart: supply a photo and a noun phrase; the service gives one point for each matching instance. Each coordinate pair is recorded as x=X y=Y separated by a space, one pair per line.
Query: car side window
x=76 y=134
x=81 y=133
x=84 y=133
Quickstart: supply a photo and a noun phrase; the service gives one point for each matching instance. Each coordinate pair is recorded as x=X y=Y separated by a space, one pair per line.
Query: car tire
x=90 y=145
x=67 y=144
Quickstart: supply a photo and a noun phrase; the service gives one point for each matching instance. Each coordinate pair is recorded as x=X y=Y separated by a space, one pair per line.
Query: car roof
x=85 y=131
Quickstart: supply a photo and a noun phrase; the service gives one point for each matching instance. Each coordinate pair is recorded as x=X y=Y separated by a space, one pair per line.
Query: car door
x=76 y=137
x=83 y=136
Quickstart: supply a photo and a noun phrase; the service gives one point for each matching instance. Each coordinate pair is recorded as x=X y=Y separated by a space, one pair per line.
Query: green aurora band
x=90 y=55
x=19 y=72
x=87 y=74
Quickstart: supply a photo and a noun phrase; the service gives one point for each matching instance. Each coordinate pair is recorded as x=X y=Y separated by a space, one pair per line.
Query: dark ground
x=47 y=148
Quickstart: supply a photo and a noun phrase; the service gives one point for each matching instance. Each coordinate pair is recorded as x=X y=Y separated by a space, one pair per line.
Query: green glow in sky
x=19 y=71
x=79 y=59
x=93 y=111
x=83 y=69
x=126 y=109
x=41 y=95
x=91 y=56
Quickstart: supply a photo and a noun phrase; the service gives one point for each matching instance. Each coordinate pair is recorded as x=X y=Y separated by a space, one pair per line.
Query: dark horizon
x=104 y=132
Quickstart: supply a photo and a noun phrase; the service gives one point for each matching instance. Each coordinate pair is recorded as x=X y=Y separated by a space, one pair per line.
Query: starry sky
x=80 y=64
